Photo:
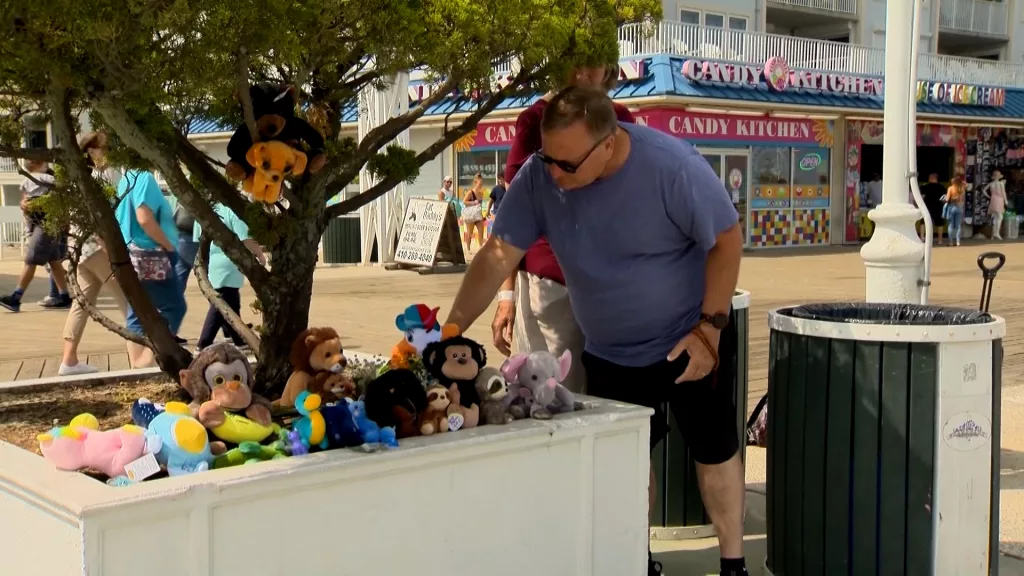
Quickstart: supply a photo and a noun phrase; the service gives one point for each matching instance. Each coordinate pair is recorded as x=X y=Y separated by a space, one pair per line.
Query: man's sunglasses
x=565 y=165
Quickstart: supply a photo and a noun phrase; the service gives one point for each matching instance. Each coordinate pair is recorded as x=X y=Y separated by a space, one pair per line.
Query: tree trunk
x=286 y=309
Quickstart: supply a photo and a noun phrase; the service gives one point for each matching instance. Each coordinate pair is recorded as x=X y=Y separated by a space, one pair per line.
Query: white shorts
x=545 y=321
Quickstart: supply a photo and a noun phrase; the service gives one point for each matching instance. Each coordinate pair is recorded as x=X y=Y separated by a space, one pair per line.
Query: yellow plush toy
x=273 y=161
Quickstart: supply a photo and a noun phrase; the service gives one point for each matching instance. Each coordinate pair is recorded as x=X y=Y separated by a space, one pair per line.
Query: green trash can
x=883 y=440
x=342 y=241
x=678 y=510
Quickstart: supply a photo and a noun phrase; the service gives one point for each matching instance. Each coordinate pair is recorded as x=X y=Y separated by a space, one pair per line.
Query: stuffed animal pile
x=436 y=381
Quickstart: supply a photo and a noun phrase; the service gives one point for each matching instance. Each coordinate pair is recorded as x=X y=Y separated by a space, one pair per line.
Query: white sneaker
x=998 y=237
x=80 y=368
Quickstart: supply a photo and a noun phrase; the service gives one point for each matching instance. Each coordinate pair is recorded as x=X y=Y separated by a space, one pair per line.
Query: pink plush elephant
x=535 y=388
x=81 y=445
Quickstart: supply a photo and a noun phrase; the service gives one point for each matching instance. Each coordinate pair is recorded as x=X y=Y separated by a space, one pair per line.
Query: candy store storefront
x=777 y=169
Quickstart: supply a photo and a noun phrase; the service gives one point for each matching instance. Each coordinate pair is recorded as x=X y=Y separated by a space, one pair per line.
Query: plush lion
x=315 y=351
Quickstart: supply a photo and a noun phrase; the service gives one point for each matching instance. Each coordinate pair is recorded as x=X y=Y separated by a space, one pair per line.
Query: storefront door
x=733 y=168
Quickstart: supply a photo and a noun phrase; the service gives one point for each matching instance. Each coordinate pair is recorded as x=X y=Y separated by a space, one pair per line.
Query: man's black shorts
x=705 y=409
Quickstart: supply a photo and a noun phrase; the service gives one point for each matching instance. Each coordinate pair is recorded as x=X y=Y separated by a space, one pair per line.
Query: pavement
x=362 y=302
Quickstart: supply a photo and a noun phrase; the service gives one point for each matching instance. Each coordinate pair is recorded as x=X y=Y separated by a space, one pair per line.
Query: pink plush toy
x=82 y=445
x=535 y=388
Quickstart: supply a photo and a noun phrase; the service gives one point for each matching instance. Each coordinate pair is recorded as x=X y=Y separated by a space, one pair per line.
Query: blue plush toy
x=371 y=433
x=179 y=441
x=342 y=431
x=311 y=427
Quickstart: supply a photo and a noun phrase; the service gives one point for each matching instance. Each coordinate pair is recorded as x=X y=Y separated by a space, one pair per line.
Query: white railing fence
x=8 y=165
x=982 y=16
x=843 y=6
x=12 y=231
x=701 y=42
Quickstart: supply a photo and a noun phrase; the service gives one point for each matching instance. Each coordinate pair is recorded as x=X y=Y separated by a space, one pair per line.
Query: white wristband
x=507 y=296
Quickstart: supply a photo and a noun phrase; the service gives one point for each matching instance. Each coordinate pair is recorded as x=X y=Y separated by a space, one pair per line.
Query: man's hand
x=702 y=360
x=501 y=327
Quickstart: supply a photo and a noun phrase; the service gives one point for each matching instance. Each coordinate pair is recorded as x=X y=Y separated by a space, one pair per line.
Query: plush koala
x=535 y=384
x=492 y=388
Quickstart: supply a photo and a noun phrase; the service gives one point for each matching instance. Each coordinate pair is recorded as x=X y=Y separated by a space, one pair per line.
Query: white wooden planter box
x=557 y=498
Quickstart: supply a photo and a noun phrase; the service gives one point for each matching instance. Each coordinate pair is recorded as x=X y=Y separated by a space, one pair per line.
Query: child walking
x=226 y=278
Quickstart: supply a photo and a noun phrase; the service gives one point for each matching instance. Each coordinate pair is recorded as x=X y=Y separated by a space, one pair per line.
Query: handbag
x=472 y=213
x=150 y=265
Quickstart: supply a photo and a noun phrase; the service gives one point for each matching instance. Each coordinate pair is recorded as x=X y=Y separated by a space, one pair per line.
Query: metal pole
x=894 y=256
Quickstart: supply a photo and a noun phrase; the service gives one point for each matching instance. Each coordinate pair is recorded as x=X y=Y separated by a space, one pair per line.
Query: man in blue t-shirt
x=650 y=245
x=225 y=278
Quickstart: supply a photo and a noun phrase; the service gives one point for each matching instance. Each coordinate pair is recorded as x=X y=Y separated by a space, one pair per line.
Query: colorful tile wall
x=811 y=226
x=769 y=228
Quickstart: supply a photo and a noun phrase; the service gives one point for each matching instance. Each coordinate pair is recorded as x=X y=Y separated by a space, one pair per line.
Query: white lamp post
x=894 y=256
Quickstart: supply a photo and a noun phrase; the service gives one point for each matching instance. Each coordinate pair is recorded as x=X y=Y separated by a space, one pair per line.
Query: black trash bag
x=875 y=313
x=757 y=425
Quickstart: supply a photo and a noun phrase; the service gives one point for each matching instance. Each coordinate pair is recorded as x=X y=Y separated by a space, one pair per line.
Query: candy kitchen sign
x=777 y=76
x=489 y=135
x=696 y=127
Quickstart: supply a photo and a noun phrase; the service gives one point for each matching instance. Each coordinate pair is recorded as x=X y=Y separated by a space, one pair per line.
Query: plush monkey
x=435 y=418
x=273 y=105
x=455 y=363
x=219 y=380
x=314 y=351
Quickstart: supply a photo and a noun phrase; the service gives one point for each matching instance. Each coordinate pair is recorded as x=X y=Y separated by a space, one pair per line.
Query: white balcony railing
x=841 y=6
x=8 y=165
x=707 y=43
x=977 y=16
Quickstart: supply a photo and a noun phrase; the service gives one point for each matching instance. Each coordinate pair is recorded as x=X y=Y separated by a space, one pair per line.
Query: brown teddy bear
x=435 y=418
x=315 y=351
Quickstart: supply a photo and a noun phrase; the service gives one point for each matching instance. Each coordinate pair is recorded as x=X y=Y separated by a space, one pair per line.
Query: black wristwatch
x=717 y=321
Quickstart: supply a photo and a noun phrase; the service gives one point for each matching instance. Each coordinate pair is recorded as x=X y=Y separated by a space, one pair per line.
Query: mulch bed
x=25 y=415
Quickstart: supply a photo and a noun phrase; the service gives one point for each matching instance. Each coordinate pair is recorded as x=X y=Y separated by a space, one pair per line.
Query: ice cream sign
x=777 y=76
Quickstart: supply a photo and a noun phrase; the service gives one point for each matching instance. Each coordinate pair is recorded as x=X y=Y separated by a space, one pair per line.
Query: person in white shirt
x=874 y=187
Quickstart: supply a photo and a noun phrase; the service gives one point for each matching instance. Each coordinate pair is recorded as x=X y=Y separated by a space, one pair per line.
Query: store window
x=689 y=17
x=489 y=163
x=737 y=23
x=811 y=166
x=712 y=20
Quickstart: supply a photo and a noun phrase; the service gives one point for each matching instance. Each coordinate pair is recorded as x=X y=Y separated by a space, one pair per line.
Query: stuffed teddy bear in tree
x=273 y=105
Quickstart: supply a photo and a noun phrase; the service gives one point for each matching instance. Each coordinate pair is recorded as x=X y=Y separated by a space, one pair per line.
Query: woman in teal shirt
x=147 y=225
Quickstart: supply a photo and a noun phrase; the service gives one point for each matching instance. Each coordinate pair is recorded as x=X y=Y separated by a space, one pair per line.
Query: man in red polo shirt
x=533 y=305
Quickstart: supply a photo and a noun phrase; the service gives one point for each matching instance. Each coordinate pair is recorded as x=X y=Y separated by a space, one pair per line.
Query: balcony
x=8 y=165
x=847 y=7
x=705 y=43
x=974 y=17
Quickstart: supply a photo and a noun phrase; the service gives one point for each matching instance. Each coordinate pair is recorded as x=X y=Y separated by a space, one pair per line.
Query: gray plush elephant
x=535 y=388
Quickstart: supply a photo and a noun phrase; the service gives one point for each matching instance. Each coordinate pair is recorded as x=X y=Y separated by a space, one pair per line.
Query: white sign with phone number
x=421 y=231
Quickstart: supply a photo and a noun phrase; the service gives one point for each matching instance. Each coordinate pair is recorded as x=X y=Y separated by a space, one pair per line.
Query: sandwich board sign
x=430 y=235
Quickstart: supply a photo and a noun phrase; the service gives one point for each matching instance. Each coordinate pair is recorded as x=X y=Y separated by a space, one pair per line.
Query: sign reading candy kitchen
x=725 y=128
x=495 y=134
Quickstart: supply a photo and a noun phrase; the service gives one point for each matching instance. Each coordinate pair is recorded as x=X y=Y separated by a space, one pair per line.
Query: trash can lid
x=891 y=314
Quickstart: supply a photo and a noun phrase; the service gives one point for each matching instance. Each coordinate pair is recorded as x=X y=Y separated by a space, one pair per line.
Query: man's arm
x=492 y=264
x=723 y=271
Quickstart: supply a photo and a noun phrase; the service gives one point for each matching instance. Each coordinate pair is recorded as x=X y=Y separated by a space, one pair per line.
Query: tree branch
x=167 y=162
x=40 y=154
x=202 y=278
x=95 y=313
x=242 y=87
x=219 y=187
x=379 y=189
x=341 y=171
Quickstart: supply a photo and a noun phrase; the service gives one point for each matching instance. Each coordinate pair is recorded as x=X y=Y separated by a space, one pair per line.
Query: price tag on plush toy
x=455 y=421
x=139 y=470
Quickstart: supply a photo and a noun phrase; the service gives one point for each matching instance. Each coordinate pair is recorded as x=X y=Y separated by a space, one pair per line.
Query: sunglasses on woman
x=565 y=165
